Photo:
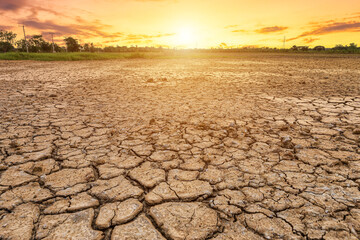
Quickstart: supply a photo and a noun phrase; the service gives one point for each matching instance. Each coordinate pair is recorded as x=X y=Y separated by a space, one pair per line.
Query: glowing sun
x=186 y=36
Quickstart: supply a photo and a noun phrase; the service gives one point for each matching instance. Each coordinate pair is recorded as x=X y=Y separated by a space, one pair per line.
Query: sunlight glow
x=186 y=36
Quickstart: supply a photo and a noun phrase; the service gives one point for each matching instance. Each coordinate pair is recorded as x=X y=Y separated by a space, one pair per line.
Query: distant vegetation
x=72 y=56
x=72 y=50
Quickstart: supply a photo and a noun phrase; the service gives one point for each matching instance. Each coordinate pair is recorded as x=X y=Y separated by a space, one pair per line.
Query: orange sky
x=188 y=23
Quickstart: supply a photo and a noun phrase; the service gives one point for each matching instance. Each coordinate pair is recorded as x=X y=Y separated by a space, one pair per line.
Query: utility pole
x=27 y=48
x=53 y=45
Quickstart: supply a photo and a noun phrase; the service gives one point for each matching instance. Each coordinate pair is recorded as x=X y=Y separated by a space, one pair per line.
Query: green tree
x=86 y=47
x=36 y=44
x=72 y=44
x=7 y=39
x=352 y=47
x=92 y=48
x=21 y=45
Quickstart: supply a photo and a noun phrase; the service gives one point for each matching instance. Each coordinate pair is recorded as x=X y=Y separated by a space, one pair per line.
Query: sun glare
x=186 y=36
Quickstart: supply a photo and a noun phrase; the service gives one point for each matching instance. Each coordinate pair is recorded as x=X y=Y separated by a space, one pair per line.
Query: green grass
x=79 y=56
x=69 y=56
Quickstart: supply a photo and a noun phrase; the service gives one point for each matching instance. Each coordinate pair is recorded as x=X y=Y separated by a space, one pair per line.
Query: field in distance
x=80 y=56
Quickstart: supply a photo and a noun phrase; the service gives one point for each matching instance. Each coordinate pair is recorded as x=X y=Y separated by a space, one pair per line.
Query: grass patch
x=85 y=56
x=69 y=56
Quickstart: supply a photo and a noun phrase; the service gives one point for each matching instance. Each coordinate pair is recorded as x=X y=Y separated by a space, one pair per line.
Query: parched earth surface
x=260 y=147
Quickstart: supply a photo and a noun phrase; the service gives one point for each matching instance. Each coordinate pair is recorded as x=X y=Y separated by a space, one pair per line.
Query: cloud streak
x=265 y=30
x=310 y=40
x=230 y=26
x=85 y=29
x=272 y=29
x=333 y=27
x=146 y=37
x=12 y=5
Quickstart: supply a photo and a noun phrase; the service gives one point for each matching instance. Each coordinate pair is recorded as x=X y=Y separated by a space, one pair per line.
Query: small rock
x=356 y=131
x=286 y=142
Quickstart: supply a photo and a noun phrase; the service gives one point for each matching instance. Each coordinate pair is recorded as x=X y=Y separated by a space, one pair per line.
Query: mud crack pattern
x=261 y=147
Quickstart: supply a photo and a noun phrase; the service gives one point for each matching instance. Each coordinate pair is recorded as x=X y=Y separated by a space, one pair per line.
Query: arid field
x=259 y=146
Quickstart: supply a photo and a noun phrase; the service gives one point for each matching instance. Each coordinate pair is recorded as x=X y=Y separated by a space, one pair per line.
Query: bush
x=6 y=47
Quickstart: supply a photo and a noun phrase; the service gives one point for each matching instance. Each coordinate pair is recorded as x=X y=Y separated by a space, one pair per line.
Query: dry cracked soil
x=260 y=147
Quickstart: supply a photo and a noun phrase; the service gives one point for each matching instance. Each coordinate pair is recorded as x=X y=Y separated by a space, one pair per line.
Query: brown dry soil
x=262 y=147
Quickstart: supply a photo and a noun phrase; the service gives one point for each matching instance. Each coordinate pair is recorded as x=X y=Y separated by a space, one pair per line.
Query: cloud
x=273 y=29
x=264 y=30
x=135 y=39
x=333 y=27
x=310 y=40
x=111 y=41
x=231 y=26
x=4 y=27
x=145 y=36
x=85 y=29
x=239 y=30
x=12 y=5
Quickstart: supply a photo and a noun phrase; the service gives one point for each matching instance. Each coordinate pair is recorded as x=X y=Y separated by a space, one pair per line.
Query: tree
x=7 y=39
x=319 y=48
x=86 y=47
x=72 y=44
x=21 y=45
x=7 y=36
x=92 y=48
x=339 y=47
x=353 y=47
x=38 y=44
x=6 y=47
x=35 y=44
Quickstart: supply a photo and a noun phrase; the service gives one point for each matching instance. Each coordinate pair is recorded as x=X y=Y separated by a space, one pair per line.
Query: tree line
x=37 y=43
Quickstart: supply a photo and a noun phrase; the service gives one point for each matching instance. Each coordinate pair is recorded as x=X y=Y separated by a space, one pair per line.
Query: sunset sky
x=188 y=23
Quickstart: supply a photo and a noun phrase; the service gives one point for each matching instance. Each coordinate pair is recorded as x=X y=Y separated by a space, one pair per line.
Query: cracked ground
x=260 y=147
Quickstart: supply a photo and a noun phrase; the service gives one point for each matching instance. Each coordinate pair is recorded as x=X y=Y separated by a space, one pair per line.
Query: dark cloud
x=333 y=27
x=12 y=5
x=273 y=29
x=51 y=26
x=4 y=27
x=86 y=29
